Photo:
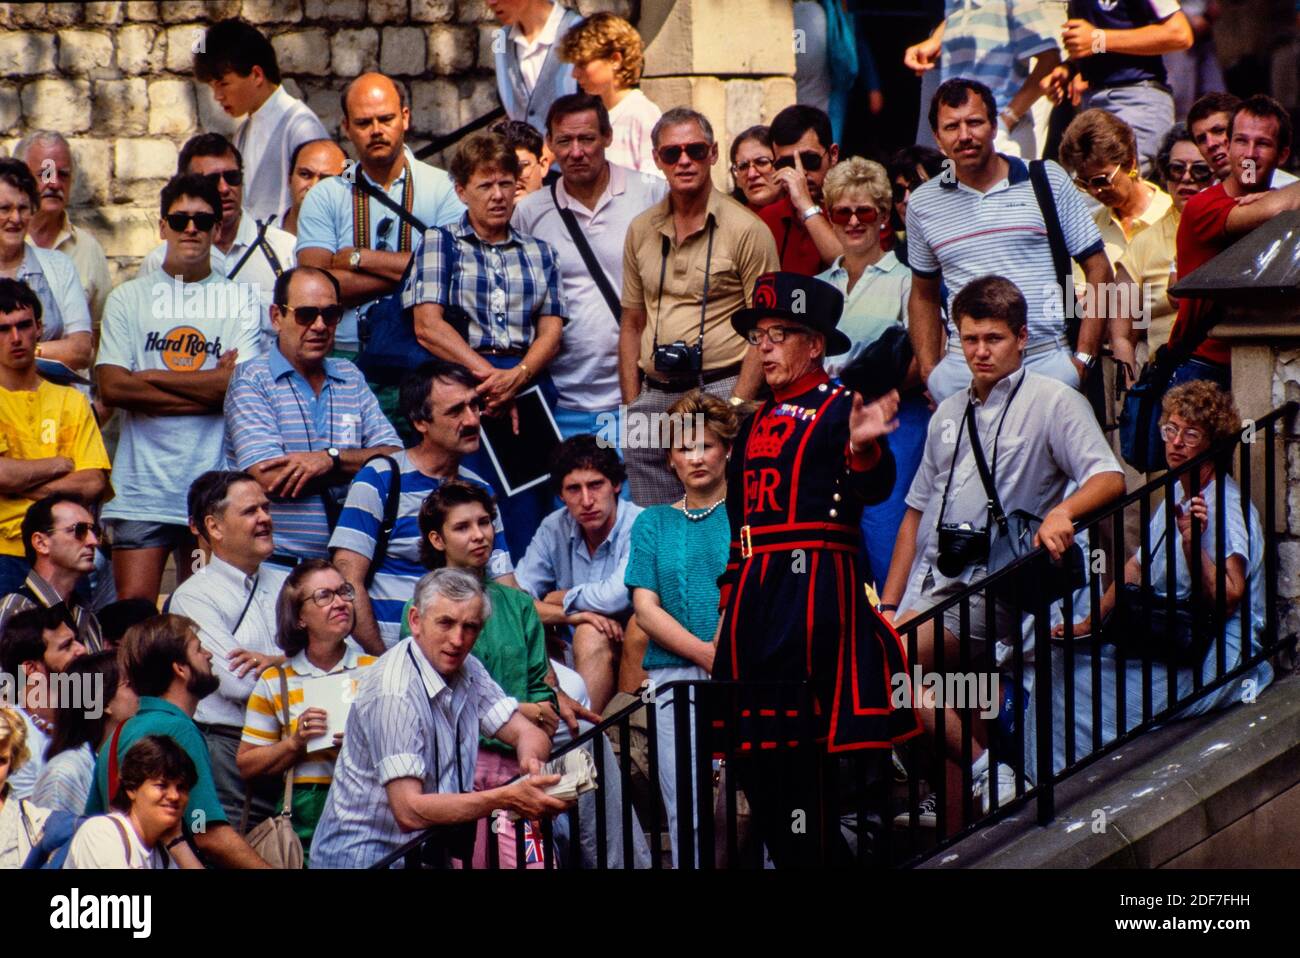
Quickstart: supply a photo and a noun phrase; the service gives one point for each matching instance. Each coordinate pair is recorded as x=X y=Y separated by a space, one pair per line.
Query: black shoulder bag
x=392 y=501
x=1013 y=538
x=589 y=258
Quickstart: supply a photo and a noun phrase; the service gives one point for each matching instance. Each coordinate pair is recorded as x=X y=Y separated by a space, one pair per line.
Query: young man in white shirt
x=239 y=64
x=242 y=250
x=530 y=75
x=170 y=340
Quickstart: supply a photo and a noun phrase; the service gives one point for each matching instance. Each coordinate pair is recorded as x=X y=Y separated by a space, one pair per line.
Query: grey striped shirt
x=407 y=722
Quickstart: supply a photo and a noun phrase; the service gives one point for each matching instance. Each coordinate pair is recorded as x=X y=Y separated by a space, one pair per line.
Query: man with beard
x=442 y=405
x=232 y=601
x=172 y=673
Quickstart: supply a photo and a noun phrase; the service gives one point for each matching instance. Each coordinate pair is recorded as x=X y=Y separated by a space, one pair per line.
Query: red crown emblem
x=769 y=436
x=765 y=292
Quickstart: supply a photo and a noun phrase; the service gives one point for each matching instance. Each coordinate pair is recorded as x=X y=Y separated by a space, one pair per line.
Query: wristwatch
x=1087 y=360
x=335 y=456
x=810 y=212
x=354 y=260
x=175 y=841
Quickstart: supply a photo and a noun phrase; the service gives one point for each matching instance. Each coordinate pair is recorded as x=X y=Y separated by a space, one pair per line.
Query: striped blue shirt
x=492 y=294
x=400 y=568
x=272 y=410
x=407 y=721
x=992 y=41
x=966 y=234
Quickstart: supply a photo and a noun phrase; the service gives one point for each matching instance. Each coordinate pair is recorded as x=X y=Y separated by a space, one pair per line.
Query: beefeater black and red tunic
x=792 y=596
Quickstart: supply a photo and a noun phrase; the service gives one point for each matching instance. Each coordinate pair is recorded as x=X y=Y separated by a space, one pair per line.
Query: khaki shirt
x=743 y=250
x=87 y=255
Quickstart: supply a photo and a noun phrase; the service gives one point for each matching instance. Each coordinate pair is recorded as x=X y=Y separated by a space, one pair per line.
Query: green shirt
x=512 y=647
x=680 y=559
x=159 y=717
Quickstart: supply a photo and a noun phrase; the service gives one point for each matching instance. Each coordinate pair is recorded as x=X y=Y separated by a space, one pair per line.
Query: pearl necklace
x=699 y=516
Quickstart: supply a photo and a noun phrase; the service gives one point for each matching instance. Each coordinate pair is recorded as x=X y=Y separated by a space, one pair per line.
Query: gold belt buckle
x=746 y=543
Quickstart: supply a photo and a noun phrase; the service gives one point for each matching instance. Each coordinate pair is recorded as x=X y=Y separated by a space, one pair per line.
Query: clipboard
x=522 y=461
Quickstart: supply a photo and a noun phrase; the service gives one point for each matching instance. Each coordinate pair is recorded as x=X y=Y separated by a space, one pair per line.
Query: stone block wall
x=115 y=79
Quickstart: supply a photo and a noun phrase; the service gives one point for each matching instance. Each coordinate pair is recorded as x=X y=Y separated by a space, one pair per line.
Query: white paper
x=335 y=694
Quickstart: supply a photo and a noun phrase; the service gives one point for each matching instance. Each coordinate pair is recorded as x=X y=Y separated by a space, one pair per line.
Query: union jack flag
x=533 y=854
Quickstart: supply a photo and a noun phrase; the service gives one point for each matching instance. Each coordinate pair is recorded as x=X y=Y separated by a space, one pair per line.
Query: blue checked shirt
x=272 y=410
x=491 y=293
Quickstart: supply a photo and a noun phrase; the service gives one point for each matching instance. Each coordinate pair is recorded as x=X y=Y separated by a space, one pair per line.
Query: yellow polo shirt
x=49 y=421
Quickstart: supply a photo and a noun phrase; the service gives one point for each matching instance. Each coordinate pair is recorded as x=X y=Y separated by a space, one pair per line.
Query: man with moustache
x=603 y=199
x=50 y=159
x=311 y=162
x=303 y=424
x=232 y=600
x=350 y=233
x=60 y=537
x=981 y=216
x=442 y=405
x=804 y=464
x=171 y=671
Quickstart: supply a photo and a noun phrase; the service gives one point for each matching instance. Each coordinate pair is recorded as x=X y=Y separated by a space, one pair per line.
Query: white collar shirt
x=532 y=55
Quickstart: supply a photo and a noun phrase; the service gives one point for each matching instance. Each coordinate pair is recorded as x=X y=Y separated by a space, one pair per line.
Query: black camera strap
x=589 y=257
x=987 y=478
x=704 y=302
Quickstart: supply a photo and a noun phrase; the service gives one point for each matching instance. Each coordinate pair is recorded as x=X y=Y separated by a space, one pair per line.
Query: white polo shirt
x=586 y=370
x=964 y=234
x=266 y=139
x=532 y=56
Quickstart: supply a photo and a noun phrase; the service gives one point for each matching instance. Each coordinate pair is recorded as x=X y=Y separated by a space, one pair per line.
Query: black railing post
x=1042 y=705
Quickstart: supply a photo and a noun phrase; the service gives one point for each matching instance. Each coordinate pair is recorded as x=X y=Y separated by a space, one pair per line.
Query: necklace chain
x=697 y=516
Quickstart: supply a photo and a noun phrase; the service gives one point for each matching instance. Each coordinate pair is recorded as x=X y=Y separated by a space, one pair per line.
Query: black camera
x=678 y=359
x=960 y=546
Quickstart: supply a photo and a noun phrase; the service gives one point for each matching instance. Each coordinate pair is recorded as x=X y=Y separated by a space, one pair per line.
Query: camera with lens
x=960 y=546
x=679 y=359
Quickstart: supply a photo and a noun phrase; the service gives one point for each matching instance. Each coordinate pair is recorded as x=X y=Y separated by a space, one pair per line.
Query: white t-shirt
x=632 y=120
x=99 y=843
x=157 y=322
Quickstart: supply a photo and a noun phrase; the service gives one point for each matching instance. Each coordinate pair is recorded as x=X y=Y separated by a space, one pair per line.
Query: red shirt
x=794 y=244
x=1203 y=235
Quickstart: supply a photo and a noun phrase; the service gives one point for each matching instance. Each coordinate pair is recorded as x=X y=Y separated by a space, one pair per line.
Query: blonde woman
x=678 y=552
x=606 y=54
x=21 y=822
x=876 y=286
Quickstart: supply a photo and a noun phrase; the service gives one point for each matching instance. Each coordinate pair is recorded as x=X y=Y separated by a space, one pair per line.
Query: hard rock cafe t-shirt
x=157 y=322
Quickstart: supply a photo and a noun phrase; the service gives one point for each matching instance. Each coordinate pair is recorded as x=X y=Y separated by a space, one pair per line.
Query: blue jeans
x=880 y=522
x=13 y=573
x=1148 y=110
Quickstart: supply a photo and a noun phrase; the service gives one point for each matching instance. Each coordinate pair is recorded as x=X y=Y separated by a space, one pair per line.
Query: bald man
x=369 y=257
x=311 y=162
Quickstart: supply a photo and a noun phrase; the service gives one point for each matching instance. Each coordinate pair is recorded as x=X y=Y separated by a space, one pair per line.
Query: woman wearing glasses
x=65 y=314
x=1101 y=150
x=314 y=617
x=1149 y=260
x=1195 y=416
x=875 y=286
x=751 y=168
x=909 y=168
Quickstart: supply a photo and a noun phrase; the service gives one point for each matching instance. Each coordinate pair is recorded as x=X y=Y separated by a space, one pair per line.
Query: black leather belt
x=223 y=731
x=280 y=558
x=686 y=384
x=506 y=351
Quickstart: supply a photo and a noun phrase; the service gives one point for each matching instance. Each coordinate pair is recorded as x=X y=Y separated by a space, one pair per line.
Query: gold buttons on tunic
x=834 y=514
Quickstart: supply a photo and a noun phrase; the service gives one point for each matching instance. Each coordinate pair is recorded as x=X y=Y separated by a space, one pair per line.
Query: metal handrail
x=440 y=143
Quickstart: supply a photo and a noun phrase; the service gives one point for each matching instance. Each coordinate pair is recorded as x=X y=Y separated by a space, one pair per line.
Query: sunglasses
x=22 y=326
x=841 y=215
x=1201 y=172
x=760 y=163
x=1099 y=182
x=382 y=231
x=323 y=597
x=902 y=189
x=811 y=160
x=232 y=177
x=698 y=152
x=79 y=530
x=179 y=222
x=307 y=315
